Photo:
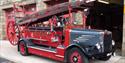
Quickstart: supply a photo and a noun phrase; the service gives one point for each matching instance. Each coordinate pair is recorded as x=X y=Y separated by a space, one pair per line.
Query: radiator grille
x=107 y=43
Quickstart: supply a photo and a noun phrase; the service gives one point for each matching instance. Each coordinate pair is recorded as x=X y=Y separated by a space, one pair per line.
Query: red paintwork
x=67 y=37
x=44 y=37
x=45 y=54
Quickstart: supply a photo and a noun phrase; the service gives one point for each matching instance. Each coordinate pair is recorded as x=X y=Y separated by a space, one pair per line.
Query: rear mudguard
x=28 y=42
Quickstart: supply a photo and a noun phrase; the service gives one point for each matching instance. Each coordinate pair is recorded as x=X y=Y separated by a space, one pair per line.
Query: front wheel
x=76 y=56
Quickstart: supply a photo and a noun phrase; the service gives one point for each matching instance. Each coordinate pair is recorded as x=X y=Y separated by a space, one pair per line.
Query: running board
x=42 y=48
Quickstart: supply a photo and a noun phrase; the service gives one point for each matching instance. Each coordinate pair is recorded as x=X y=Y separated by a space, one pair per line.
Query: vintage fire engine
x=60 y=33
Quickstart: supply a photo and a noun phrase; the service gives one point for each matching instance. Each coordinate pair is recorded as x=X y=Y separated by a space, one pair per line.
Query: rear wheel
x=76 y=56
x=23 y=48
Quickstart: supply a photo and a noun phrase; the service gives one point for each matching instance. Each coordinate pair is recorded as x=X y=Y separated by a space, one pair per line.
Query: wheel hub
x=75 y=59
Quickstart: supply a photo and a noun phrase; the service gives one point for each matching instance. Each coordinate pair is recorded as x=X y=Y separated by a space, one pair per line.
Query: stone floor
x=3 y=60
x=10 y=52
x=121 y=60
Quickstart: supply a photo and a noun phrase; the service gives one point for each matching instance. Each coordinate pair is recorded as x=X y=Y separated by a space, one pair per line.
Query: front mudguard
x=73 y=46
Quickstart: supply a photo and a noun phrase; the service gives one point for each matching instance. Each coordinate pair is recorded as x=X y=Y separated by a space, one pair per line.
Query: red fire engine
x=60 y=33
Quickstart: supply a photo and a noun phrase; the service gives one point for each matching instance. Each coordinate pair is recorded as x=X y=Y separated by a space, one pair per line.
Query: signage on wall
x=124 y=8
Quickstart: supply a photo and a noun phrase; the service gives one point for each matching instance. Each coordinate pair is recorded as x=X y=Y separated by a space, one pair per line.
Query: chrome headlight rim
x=98 y=46
x=113 y=42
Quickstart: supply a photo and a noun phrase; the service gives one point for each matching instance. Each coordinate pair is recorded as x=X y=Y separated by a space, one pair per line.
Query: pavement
x=10 y=52
x=3 y=60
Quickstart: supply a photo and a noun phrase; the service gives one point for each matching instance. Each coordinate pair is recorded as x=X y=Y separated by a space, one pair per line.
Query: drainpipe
x=123 y=42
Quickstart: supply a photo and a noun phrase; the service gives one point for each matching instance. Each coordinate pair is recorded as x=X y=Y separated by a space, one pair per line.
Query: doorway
x=107 y=17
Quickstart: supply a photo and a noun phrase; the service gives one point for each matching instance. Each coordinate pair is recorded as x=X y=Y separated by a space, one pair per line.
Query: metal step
x=43 y=48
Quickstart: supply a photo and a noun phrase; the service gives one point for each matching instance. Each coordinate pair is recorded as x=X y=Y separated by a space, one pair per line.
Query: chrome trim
x=60 y=47
x=38 y=39
x=60 y=56
x=41 y=49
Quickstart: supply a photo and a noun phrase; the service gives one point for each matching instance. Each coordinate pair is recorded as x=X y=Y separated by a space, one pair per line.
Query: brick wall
x=9 y=3
x=2 y=25
x=4 y=4
x=2 y=17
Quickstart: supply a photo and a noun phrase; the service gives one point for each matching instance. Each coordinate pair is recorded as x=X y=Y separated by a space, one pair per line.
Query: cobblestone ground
x=2 y=60
x=122 y=60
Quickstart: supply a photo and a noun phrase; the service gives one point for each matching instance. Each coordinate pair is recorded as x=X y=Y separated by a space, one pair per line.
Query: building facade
x=6 y=5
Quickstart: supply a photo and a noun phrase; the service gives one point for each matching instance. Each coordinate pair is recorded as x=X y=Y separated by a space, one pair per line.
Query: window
x=78 y=18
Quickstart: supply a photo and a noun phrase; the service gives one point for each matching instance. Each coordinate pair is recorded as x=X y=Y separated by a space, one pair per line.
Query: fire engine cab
x=60 y=33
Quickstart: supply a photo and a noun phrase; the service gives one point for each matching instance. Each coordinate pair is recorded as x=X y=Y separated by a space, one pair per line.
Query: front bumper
x=101 y=55
x=95 y=52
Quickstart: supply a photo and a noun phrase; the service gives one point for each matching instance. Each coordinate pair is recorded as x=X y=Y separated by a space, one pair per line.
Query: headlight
x=113 y=42
x=98 y=46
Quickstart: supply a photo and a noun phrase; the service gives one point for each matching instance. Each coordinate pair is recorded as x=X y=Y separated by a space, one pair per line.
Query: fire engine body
x=60 y=33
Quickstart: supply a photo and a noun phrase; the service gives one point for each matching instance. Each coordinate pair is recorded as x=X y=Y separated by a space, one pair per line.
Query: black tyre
x=23 y=48
x=76 y=56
